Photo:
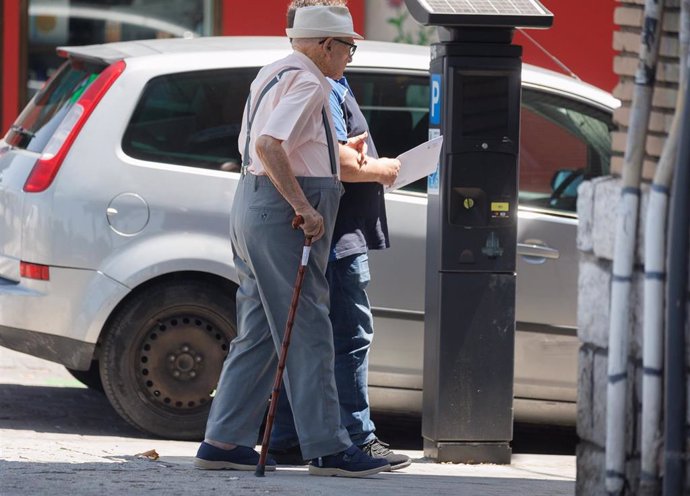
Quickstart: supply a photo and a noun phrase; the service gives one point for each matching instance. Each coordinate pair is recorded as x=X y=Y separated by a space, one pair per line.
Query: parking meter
x=469 y=324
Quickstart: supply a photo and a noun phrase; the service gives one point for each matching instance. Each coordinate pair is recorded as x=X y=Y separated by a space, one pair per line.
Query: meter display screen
x=485 y=106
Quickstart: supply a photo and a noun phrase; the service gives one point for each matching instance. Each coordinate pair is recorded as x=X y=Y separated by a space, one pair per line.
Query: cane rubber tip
x=259 y=472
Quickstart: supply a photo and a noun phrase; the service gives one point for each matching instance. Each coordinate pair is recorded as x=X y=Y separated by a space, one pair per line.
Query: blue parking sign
x=435 y=104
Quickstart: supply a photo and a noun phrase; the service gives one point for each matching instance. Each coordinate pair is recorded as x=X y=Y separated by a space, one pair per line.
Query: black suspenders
x=246 y=161
x=329 y=140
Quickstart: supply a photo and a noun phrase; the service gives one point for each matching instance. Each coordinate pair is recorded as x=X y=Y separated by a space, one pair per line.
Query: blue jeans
x=353 y=331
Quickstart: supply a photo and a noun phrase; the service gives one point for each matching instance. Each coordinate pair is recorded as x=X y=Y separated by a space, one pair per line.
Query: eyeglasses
x=353 y=47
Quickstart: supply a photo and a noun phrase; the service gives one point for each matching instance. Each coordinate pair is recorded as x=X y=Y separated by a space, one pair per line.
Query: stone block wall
x=597 y=210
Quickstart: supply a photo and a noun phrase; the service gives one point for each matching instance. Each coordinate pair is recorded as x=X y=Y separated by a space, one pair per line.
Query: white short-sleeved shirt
x=292 y=112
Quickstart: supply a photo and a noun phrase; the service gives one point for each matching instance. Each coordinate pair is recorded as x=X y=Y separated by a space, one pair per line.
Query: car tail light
x=34 y=271
x=47 y=166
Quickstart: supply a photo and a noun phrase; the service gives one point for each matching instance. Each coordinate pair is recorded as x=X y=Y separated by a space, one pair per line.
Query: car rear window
x=191 y=119
x=36 y=124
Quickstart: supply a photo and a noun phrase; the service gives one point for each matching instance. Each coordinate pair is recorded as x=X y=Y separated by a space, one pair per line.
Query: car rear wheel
x=162 y=355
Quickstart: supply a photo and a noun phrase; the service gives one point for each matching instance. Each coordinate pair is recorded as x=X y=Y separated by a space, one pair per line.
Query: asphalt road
x=57 y=437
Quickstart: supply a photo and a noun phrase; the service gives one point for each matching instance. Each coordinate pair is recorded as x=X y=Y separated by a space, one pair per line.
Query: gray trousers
x=267 y=253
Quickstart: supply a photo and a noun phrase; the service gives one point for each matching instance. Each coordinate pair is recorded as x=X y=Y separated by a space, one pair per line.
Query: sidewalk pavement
x=57 y=438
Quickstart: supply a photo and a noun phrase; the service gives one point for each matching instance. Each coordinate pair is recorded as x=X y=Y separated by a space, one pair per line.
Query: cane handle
x=297 y=221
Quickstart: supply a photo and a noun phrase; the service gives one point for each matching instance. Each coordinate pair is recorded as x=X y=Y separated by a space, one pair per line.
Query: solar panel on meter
x=499 y=13
x=499 y=7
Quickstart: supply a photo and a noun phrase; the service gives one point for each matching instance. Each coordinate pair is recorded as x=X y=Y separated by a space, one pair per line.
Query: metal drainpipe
x=624 y=249
x=676 y=315
x=655 y=251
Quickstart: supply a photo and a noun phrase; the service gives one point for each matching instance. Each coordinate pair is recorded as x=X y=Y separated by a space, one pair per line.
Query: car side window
x=191 y=119
x=396 y=107
x=562 y=143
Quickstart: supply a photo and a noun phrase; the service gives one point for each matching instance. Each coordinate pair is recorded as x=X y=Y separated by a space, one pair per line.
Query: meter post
x=469 y=325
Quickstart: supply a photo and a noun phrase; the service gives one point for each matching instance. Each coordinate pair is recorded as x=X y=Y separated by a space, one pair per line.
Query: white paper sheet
x=417 y=163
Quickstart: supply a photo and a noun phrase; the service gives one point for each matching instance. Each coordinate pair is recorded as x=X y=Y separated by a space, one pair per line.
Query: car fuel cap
x=128 y=214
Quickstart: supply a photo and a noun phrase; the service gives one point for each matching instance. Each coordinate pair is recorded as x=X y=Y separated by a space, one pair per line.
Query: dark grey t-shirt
x=361 y=224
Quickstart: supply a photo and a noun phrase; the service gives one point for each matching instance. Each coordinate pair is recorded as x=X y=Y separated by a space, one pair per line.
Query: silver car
x=115 y=189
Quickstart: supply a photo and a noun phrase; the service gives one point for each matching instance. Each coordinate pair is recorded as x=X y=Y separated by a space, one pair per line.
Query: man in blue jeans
x=360 y=226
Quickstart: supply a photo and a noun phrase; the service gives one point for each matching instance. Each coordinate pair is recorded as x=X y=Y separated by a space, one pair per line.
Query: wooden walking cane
x=260 y=468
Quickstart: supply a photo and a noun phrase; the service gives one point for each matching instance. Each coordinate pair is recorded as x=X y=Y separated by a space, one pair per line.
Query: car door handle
x=537 y=249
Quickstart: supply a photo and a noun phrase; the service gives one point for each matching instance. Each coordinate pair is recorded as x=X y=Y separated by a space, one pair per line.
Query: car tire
x=90 y=378
x=162 y=355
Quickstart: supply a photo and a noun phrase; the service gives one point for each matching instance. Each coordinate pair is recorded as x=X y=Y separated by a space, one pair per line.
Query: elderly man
x=360 y=226
x=290 y=167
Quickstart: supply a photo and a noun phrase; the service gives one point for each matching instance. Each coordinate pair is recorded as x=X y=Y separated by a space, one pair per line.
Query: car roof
x=259 y=50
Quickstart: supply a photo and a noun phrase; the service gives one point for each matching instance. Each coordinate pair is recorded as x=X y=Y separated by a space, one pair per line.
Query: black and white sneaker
x=378 y=449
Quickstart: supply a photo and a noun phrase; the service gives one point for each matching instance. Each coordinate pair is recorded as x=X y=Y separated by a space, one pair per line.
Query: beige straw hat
x=323 y=22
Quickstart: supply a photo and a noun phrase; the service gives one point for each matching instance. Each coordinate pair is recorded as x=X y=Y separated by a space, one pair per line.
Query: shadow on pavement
x=527 y=438
x=84 y=411
x=61 y=410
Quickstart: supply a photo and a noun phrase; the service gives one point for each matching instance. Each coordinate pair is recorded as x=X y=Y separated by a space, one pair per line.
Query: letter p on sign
x=435 y=107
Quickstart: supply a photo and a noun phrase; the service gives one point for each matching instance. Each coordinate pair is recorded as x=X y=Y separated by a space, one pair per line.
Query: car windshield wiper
x=22 y=131
x=26 y=136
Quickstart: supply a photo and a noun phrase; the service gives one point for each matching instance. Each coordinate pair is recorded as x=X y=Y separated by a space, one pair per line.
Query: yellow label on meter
x=500 y=210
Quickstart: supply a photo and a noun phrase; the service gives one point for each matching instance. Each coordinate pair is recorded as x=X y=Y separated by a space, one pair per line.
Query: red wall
x=267 y=17
x=581 y=37
x=11 y=17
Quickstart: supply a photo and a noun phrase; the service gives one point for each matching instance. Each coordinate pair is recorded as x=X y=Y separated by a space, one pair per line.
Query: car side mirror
x=564 y=182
